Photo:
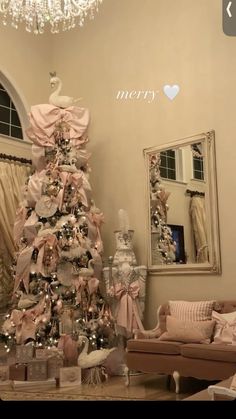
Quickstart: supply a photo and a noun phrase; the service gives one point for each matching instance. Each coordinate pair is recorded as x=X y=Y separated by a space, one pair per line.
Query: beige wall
x=25 y=62
x=136 y=45
x=15 y=147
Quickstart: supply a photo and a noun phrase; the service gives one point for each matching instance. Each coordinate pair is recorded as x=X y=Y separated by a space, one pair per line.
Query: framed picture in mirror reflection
x=178 y=237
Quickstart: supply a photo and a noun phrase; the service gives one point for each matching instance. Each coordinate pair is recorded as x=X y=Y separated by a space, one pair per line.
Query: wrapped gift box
x=36 y=385
x=24 y=353
x=17 y=372
x=45 y=353
x=3 y=359
x=70 y=377
x=54 y=365
x=4 y=373
x=37 y=370
x=41 y=353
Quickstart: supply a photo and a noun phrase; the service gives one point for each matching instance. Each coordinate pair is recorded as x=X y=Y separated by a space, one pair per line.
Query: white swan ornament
x=94 y=358
x=57 y=100
x=89 y=271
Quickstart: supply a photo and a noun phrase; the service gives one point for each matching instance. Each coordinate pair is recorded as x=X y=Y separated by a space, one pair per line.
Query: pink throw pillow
x=225 y=329
x=191 y=310
x=188 y=332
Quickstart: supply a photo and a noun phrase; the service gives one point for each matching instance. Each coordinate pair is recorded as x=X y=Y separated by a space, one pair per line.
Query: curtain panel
x=12 y=179
x=198 y=217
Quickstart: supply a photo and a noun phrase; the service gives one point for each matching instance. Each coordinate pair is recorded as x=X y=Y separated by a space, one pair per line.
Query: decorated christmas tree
x=58 y=265
x=163 y=246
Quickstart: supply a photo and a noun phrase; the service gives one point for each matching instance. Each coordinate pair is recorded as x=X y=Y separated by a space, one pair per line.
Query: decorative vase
x=124 y=248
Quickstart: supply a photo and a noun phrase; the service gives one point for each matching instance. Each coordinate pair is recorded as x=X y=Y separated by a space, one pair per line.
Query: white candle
x=123 y=221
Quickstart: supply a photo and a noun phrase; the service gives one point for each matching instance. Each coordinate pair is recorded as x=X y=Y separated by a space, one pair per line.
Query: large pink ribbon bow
x=127 y=314
x=24 y=260
x=43 y=119
x=25 y=325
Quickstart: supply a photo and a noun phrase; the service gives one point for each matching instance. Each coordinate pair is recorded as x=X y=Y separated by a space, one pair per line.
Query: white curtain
x=12 y=178
x=198 y=217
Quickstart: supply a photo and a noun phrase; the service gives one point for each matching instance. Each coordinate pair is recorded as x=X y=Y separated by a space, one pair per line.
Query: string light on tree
x=165 y=246
x=57 y=232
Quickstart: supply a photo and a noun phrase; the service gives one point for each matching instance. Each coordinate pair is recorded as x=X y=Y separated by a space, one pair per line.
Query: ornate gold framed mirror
x=182 y=216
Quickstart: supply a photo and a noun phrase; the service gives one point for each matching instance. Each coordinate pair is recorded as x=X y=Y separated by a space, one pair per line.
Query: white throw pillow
x=225 y=329
x=188 y=332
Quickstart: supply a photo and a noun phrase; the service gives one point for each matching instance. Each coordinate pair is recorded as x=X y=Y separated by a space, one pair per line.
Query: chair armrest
x=147 y=334
x=212 y=390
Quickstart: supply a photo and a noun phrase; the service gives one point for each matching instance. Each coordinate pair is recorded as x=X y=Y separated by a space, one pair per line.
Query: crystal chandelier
x=37 y=14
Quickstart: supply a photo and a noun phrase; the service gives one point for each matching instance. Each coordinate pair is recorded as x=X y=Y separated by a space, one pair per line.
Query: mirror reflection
x=183 y=218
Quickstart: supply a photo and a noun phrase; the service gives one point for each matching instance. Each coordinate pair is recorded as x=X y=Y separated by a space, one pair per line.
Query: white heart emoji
x=171 y=91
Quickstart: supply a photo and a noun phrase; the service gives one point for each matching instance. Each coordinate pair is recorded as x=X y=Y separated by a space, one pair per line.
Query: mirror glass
x=182 y=221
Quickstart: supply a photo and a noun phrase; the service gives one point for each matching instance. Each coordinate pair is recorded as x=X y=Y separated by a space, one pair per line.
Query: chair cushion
x=153 y=346
x=225 y=353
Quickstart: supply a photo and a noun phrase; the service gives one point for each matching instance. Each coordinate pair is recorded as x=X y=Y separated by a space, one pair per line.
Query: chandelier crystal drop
x=59 y=14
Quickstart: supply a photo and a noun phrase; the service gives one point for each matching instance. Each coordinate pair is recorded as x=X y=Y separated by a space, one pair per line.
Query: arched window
x=10 y=124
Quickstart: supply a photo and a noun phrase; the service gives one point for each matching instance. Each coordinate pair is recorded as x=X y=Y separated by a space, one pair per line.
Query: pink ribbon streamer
x=40 y=243
x=38 y=157
x=30 y=231
x=93 y=285
x=45 y=316
x=97 y=220
x=75 y=179
x=70 y=349
x=79 y=284
x=21 y=214
x=127 y=314
x=23 y=268
x=34 y=187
